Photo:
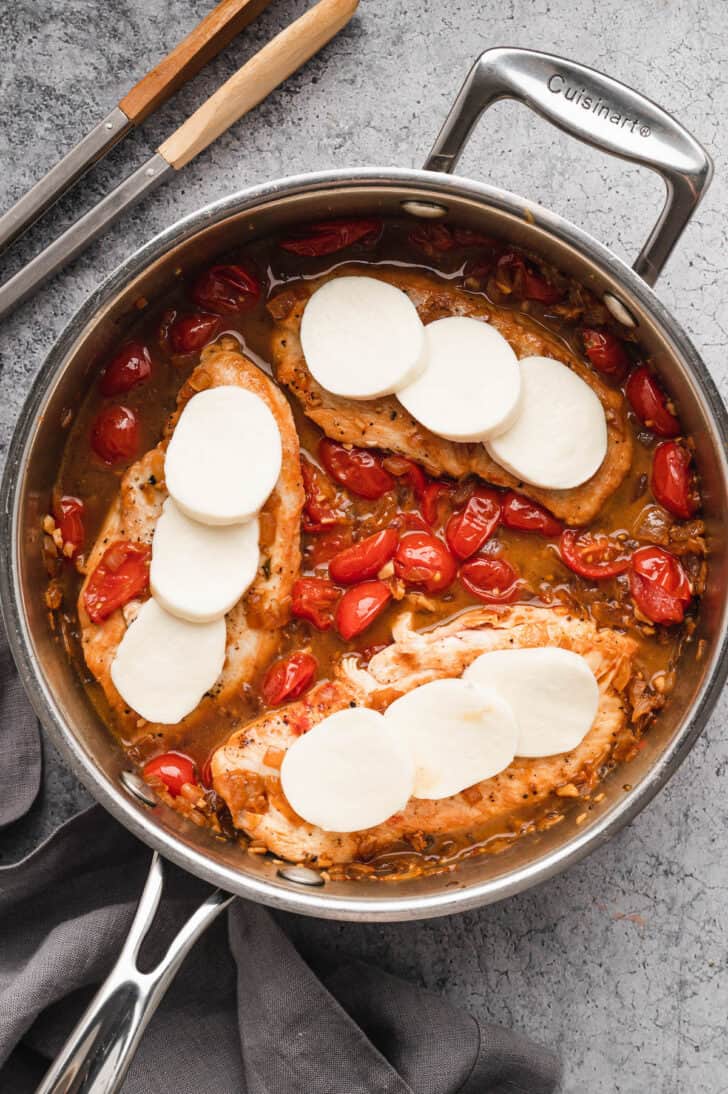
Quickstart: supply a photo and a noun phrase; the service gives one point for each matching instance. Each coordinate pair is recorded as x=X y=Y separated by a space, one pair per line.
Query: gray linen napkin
x=246 y=1014
x=19 y=742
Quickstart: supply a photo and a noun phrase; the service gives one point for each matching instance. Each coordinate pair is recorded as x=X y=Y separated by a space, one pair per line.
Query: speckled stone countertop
x=620 y=963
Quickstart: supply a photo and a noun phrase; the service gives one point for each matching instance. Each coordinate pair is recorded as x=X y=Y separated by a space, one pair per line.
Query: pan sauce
x=631 y=514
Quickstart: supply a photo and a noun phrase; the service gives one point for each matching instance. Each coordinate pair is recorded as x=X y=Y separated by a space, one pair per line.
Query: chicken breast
x=245 y=768
x=384 y=423
x=253 y=624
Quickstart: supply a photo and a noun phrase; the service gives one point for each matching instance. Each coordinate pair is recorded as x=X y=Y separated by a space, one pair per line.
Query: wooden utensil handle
x=216 y=30
x=256 y=79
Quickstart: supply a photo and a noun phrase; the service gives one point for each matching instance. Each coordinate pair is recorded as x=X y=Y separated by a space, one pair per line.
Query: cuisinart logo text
x=559 y=85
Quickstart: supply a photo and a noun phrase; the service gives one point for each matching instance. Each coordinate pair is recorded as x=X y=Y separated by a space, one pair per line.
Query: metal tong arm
x=98 y=1052
x=597 y=110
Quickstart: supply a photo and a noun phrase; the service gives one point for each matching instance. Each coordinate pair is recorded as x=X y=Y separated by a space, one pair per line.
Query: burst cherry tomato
x=436 y=238
x=358 y=469
x=115 y=434
x=412 y=521
x=650 y=404
x=526 y=516
x=174 y=769
x=592 y=555
x=659 y=585
x=320 y=511
x=359 y=607
x=490 y=579
x=328 y=543
x=469 y=529
x=132 y=365
x=226 y=290
x=68 y=512
x=468 y=237
x=313 y=598
x=432 y=238
x=430 y=503
x=190 y=333
x=364 y=559
x=206 y=773
x=514 y=274
x=121 y=575
x=408 y=470
x=606 y=352
x=671 y=479
x=422 y=559
x=288 y=678
x=329 y=236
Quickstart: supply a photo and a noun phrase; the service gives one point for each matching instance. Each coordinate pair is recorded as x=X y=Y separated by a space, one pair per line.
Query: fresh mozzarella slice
x=164 y=665
x=471 y=385
x=559 y=438
x=362 y=338
x=200 y=571
x=553 y=693
x=459 y=732
x=224 y=456
x=348 y=773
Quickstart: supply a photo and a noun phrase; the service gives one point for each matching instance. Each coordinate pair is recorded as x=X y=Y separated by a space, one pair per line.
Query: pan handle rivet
x=137 y=787
x=619 y=310
x=300 y=875
x=426 y=210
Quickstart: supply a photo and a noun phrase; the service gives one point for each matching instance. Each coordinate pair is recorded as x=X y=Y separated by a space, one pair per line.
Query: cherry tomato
x=313 y=598
x=412 y=521
x=226 y=290
x=206 y=773
x=68 y=512
x=436 y=238
x=514 y=274
x=606 y=352
x=432 y=238
x=468 y=530
x=649 y=402
x=408 y=470
x=288 y=678
x=327 y=544
x=328 y=236
x=320 y=511
x=524 y=515
x=480 y=268
x=190 y=333
x=422 y=559
x=430 y=504
x=659 y=585
x=592 y=555
x=115 y=434
x=359 y=607
x=468 y=237
x=132 y=365
x=174 y=769
x=358 y=469
x=121 y=575
x=365 y=558
x=671 y=479
x=490 y=579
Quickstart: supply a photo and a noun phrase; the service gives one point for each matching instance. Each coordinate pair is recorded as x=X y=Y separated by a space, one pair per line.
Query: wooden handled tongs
x=274 y=63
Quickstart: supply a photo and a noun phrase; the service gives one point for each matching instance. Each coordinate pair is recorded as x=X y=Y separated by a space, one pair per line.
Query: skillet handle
x=597 y=110
x=97 y=1054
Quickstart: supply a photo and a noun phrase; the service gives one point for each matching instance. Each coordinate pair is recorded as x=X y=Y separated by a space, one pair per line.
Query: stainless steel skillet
x=595 y=109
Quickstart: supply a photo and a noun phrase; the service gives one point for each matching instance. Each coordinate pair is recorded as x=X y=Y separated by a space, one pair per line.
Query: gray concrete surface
x=621 y=962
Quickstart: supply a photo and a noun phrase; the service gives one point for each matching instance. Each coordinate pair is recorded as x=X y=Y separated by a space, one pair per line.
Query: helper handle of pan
x=597 y=110
x=97 y=1054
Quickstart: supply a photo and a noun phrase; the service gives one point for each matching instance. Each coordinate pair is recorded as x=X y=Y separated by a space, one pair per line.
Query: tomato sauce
x=375 y=526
